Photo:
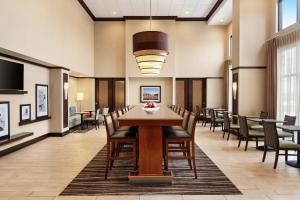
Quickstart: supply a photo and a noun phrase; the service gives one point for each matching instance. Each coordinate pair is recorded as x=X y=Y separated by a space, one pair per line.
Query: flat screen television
x=11 y=75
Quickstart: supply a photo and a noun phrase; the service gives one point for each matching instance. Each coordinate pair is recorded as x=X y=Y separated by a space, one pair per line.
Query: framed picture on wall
x=25 y=112
x=41 y=100
x=150 y=93
x=4 y=120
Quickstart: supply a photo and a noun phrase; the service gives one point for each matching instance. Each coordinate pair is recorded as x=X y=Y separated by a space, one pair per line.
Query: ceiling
x=223 y=15
x=179 y=8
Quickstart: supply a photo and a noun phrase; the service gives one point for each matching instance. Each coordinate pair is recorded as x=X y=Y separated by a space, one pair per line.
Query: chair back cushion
x=109 y=126
x=226 y=121
x=244 y=131
x=97 y=115
x=271 y=135
x=191 y=124
x=264 y=115
x=289 y=120
x=115 y=120
x=119 y=112
x=105 y=111
x=185 y=119
x=212 y=114
x=181 y=111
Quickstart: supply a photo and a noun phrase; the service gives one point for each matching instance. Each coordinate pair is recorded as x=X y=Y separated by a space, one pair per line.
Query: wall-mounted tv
x=11 y=75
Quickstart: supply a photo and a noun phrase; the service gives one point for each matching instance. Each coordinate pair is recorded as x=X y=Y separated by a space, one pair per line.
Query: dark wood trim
x=213 y=10
x=235 y=102
x=93 y=17
x=214 y=77
x=22 y=145
x=59 y=134
x=34 y=121
x=249 y=67
x=13 y=92
x=86 y=8
x=21 y=113
x=29 y=60
x=15 y=137
x=65 y=101
x=200 y=19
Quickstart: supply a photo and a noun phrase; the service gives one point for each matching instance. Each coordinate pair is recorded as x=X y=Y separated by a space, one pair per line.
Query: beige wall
x=54 y=31
x=200 y=49
x=215 y=93
x=32 y=75
x=73 y=85
x=251 y=91
x=110 y=49
x=87 y=87
x=134 y=89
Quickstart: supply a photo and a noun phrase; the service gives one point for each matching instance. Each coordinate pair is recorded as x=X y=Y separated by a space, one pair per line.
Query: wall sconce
x=66 y=89
x=234 y=89
x=80 y=98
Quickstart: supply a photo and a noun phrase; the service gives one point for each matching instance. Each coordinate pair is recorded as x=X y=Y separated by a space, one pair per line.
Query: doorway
x=191 y=92
x=110 y=92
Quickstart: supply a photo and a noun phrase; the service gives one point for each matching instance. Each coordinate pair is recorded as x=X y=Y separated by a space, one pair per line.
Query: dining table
x=292 y=128
x=81 y=118
x=150 y=140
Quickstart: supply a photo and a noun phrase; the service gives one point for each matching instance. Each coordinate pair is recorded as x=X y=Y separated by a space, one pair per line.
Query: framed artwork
x=25 y=112
x=41 y=100
x=150 y=93
x=4 y=120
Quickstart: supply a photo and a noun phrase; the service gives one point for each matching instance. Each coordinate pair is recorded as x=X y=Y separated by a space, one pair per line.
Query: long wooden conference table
x=150 y=142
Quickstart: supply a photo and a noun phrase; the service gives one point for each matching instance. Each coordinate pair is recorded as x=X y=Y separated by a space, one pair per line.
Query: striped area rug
x=211 y=180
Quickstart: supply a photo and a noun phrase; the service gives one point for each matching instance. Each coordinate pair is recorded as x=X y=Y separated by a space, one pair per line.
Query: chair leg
x=246 y=146
x=188 y=145
x=286 y=155
x=107 y=160
x=194 y=159
x=134 y=156
x=210 y=126
x=256 y=142
x=167 y=156
x=214 y=126
x=276 y=159
x=223 y=133
x=240 y=139
x=228 y=134
x=265 y=153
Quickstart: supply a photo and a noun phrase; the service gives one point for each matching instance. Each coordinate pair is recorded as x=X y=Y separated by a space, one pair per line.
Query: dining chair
x=228 y=126
x=186 y=137
x=215 y=121
x=183 y=126
x=181 y=111
x=259 y=126
x=123 y=110
x=272 y=141
x=248 y=134
x=94 y=119
x=119 y=112
x=119 y=142
x=116 y=124
x=206 y=117
x=199 y=113
x=288 y=121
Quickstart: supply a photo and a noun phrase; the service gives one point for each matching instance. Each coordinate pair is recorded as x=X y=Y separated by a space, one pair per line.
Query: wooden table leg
x=151 y=157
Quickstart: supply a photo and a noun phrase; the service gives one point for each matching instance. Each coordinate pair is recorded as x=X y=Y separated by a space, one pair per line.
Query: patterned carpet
x=211 y=180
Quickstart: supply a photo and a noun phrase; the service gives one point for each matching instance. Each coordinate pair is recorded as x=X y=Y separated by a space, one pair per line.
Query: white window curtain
x=288 y=81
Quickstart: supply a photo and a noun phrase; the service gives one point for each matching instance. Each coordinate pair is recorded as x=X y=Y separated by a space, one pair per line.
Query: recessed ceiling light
x=187 y=12
x=114 y=12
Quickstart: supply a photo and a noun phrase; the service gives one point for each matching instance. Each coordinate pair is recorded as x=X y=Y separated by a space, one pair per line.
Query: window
x=288 y=84
x=288 y=13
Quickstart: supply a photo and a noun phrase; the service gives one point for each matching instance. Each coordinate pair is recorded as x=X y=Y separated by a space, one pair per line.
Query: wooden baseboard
x=59 y=134
x=22 y=145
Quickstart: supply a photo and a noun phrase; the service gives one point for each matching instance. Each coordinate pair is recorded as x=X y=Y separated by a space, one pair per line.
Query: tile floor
x=41 y=171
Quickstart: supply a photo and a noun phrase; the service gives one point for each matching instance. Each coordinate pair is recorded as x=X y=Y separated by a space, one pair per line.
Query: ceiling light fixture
x=150 y=49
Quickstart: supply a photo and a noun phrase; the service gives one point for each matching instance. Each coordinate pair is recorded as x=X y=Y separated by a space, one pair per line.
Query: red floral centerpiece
x=150 y=107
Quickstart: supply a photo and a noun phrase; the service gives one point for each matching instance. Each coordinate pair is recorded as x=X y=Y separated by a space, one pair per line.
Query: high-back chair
x=206 y=116
x=119 y=112
x=94 y=119
x=215 y=121
x=272 y=141
x=186 y=139
x=248 y=134
x=288 y=121
x=116 y=124
x=115 y=144
x=228 y=126
x=181 y=111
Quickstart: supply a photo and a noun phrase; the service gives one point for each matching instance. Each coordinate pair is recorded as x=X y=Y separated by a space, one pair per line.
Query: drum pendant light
x=150 y=49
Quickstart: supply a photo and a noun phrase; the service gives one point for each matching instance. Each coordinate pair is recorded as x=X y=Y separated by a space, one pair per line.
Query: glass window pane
x=289 y=12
